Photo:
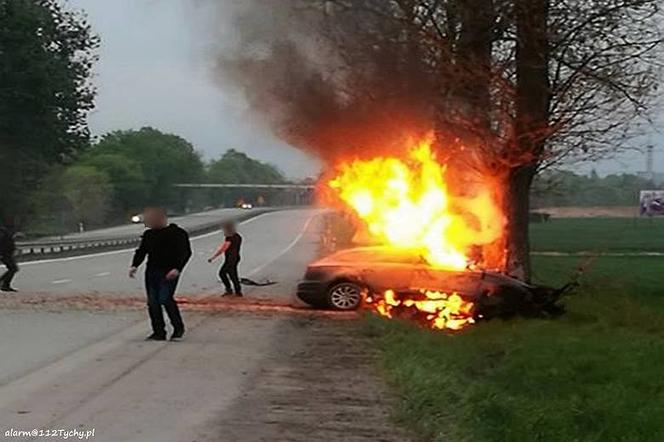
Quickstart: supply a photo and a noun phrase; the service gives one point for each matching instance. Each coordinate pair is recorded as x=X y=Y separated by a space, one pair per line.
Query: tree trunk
x=533 y=97
x=517 y=203
x=474 y=59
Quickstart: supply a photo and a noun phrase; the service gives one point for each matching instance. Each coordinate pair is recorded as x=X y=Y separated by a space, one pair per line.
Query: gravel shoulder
x=319 y=383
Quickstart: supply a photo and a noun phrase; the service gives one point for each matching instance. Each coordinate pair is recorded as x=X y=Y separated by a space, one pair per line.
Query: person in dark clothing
x=230 y=248
x=7 y=249
x=168 y=250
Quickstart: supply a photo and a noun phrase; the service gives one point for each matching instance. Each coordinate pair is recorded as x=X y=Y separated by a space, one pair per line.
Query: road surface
x=268 y=238
x=235 y=376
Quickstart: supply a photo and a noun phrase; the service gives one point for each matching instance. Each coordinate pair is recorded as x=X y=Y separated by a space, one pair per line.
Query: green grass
x=595 y=374
x=599 y=234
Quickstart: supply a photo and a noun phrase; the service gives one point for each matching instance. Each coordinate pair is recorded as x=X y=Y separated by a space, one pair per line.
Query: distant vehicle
x=246 y=206
x=651 y=203
x=340 y=281
x=138 y=218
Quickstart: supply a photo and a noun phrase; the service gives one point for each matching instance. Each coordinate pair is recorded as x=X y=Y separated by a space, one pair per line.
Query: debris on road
x=212 y=303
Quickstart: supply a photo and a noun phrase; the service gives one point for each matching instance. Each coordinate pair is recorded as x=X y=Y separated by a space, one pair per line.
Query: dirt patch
x=319 y=383
x=590 y=212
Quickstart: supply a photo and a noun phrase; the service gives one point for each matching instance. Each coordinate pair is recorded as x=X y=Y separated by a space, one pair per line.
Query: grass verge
x=594 y=374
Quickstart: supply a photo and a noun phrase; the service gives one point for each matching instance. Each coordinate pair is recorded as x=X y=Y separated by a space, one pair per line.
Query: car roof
x=386 y=255
x=375 y=254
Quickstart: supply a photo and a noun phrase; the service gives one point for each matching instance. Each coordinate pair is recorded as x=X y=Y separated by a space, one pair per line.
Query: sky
x=155 y=69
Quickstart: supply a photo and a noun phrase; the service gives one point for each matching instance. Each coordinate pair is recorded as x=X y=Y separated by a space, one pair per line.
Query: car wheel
x=344 y=296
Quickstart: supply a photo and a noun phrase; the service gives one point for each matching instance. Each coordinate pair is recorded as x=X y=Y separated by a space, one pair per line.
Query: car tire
x=344 y=296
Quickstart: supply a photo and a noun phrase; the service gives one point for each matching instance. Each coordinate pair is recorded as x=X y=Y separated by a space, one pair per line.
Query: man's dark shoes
x=177 y=335
x=8 y=289
x=227 y=294
x=156 y=337
x=239 y=295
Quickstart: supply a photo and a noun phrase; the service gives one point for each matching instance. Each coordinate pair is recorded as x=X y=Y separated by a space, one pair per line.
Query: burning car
x=388 y=280
x=437 y=234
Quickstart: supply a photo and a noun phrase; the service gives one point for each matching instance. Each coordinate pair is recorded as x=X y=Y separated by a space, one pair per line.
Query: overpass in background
x=297 y=194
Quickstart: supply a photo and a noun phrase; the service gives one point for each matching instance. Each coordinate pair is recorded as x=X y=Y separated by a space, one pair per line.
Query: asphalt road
x=84 y=370
x=267 y=239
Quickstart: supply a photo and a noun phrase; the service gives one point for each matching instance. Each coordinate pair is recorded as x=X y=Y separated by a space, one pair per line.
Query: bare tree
x=511 y=86
x=585 y=73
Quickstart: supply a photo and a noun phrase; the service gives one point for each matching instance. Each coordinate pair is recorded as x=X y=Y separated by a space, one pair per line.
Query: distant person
x=7 y=249
x=168 y=250
x=230 y=248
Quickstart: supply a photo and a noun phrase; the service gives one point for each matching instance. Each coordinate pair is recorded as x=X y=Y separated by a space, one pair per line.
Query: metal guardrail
x=26 y=250
x=32 y=249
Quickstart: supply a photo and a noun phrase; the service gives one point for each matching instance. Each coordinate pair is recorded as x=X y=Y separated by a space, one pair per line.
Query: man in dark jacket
x=7 y=249
x=168 y=250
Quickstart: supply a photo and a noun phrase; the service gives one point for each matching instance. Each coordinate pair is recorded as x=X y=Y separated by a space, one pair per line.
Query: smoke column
x=328 y=80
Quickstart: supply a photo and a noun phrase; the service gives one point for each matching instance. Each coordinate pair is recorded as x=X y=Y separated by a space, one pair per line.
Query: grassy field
x=594 y=374
x=599 y=234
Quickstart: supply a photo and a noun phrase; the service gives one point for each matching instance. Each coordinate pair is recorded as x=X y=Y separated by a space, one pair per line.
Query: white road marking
x=117 y=252
x=61 y=281
x=286 y=250
x=99 y=275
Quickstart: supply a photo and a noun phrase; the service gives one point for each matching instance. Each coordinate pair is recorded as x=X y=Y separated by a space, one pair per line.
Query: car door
x=465 y=283
x=388 y=276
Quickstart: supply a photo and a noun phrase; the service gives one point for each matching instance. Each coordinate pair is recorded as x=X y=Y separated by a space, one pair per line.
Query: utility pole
x=650 y=171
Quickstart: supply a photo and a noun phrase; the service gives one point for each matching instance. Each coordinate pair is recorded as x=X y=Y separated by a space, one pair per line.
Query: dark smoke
x=332 y=81
x=351 y=79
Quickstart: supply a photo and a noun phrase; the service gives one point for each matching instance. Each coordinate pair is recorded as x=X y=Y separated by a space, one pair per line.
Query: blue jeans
x=160 y=293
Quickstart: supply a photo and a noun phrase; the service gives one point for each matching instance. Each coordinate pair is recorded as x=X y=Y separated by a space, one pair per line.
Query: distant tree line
x=127 y=170
x=565 y=188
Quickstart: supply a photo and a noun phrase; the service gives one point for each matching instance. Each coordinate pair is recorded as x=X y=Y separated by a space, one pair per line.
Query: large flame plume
x=406 y=203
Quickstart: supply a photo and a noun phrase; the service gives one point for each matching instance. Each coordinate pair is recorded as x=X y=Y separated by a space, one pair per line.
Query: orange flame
x=407 y=204
x=440 y=310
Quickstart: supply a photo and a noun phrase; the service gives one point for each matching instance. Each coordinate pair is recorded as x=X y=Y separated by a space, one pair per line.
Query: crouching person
x=168 y=249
